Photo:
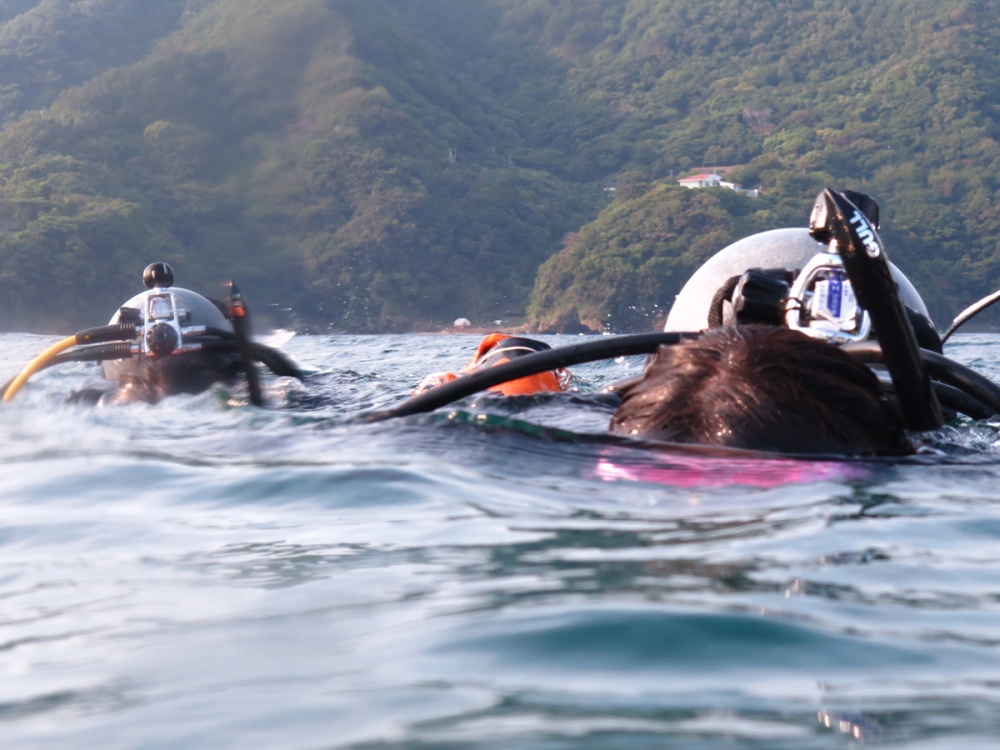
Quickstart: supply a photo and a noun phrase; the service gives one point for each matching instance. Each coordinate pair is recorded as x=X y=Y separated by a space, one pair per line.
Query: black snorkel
x=239 y=316
x=838 y=222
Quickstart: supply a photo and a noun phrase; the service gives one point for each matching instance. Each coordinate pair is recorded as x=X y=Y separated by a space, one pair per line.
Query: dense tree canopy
x=393 y=164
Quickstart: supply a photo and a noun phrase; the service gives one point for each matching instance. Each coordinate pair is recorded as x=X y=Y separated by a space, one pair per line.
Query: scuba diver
x=761 y=387
x=496 y=349
x=790 y=341
x=802 y=340
x=769 y=372
x=165 y=341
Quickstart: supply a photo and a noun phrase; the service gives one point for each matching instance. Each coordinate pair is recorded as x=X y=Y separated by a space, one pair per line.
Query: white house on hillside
x=711 y=179
x=703 y=180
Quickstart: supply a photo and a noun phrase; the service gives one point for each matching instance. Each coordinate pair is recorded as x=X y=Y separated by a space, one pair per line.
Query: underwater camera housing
x=818 y=301
x=169 y=320
x=782 y=277
x=822 y=303
x=164 y=341
x=790 y=277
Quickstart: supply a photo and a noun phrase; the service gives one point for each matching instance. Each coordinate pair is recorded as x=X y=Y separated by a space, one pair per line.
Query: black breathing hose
x=101 y=334
x=953 y=398
x=938 y=366
x=530 y=364
x=240 y=320
x=964 y=389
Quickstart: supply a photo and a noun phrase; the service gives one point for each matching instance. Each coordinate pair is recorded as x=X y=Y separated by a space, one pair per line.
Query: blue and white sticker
x=834 y=306
x=834 y=296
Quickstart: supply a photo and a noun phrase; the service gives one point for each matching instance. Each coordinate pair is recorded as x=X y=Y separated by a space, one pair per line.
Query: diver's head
x=780 y=277
x=171 y=323
x=761 y=388
x=151 y=380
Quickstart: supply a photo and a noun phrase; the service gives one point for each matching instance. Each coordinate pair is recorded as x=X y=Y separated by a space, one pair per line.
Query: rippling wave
x=498 y=574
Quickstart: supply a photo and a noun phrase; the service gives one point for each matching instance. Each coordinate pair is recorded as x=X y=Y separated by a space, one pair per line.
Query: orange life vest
x=490 y=353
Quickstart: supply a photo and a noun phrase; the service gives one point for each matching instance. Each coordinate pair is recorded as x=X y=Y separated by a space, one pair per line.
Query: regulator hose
x=38 y=363
x=530 y=364
x=114 y=332
x=276 y=361
x=961 y=387
x=215 y=340
x=953 y=398
x=965 y=379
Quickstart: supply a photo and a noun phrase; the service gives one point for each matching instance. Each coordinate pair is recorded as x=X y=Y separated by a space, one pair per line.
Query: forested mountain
x=899 y=99
x=393 y=164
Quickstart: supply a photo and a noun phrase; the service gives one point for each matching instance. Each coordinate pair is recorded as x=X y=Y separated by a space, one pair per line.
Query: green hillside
x=900 y=99
x=394 y=164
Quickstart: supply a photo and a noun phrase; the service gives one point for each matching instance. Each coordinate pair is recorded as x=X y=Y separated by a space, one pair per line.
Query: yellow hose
x=37 y=364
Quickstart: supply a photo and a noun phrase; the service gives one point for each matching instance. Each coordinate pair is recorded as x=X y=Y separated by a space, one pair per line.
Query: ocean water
x=205 y=574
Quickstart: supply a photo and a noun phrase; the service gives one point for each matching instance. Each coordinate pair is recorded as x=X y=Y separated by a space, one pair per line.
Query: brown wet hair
x=763 y=388
x=151 y=380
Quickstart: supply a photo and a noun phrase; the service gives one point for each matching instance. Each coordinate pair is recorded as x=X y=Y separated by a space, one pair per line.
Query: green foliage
x=393 y=164
x=46 y=47
x=897 y=99
x=621 y=270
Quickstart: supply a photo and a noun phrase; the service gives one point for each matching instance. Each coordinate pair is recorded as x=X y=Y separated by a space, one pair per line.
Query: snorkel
x=845 y=228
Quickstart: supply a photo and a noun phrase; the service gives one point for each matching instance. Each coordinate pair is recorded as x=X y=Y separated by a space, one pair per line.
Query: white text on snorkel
x=866 y=235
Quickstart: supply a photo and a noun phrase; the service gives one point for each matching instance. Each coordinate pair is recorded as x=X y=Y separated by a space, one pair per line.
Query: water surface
x=204 y=574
